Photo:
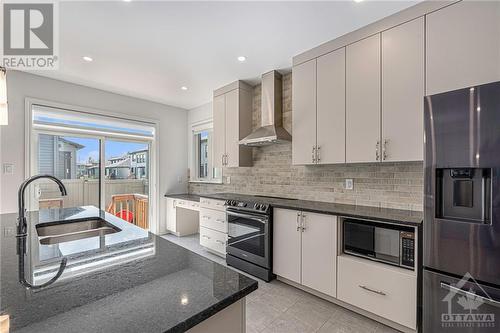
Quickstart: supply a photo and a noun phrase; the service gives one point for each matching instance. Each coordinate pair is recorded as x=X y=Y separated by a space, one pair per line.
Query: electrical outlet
x=349 y=184
x=228 y=180
x=179 y=179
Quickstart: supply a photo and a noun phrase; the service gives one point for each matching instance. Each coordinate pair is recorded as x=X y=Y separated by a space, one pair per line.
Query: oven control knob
x=256 y=206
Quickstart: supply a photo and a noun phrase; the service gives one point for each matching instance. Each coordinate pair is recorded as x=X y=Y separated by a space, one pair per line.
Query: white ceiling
x=151 y=49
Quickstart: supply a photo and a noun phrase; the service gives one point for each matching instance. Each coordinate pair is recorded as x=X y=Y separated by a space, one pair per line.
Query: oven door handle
x=465 y=293
x=248 y=216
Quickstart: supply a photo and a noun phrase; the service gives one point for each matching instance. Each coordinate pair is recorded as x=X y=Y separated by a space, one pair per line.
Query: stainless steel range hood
x=271 y=130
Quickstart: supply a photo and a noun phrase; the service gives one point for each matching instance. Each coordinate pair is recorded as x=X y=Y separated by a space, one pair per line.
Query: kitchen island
x=123 y=280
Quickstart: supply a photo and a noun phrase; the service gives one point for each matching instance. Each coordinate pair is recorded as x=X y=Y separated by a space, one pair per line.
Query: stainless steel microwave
x=389 y=243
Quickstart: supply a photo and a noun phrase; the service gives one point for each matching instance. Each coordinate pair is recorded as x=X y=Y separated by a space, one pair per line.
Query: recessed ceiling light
x=88 y=59
x=242 y=58
x=184 y=88
x=358 y=0
x=127 y=0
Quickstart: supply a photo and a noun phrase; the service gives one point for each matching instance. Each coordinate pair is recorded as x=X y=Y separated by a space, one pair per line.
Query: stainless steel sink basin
x=59 y=232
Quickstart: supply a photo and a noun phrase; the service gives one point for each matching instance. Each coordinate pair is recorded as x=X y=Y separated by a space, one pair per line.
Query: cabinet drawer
x=187 y=204
x=213 y=219
x=385 y=291
x=212 y=204
x=213 y=240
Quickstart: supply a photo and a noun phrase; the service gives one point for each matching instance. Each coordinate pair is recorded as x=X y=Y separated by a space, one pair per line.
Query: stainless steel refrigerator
x=461 y=253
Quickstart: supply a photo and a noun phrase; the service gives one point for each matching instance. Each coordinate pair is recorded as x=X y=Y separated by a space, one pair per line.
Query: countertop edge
x=207 y=313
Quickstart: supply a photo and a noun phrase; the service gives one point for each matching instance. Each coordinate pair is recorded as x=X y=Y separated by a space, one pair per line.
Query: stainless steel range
x=249 y=245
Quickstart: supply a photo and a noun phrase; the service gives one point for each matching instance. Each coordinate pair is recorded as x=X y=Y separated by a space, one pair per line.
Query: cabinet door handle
x=303 y=222
x=206 y=237
x=313 y=154
x=206 y=217
x=378 y=292
x=377 y=150
x=384 y=150
x=221 y=221
x=220 y=242
x=318 y=154
x=298 y=223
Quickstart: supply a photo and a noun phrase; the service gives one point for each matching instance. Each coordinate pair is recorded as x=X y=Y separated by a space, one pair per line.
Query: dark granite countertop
x=184 y=196
x=128 y=281
x=407 y=217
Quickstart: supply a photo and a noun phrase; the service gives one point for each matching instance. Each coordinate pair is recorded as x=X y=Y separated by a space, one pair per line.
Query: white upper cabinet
x=363 y=100
x=463 y=46
x=232 y=116
x=403 y=92
x=304 y=113
x=330 y=118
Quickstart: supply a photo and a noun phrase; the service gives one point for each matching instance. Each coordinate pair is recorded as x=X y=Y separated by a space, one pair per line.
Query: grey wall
x=171 y=137
x=393 y=185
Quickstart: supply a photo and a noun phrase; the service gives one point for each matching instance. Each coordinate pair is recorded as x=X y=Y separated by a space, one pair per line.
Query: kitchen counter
x=128 y=281
x=406 y=217
x=184 y=196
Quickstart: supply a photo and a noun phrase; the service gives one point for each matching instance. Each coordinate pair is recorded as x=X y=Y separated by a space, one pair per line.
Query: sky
x=112 y=148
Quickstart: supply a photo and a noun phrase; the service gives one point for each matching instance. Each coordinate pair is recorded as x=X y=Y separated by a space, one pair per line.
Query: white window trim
x=195 y=127
x=29 y=171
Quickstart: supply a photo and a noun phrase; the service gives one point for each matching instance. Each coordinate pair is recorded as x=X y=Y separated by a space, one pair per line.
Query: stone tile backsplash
x=390 y=185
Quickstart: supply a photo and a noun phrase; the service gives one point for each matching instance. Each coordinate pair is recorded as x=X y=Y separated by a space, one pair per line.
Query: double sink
x=59 y=232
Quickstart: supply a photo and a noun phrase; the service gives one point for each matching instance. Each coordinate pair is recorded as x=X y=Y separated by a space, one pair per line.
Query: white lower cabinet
x=213 y=219
x=213 y=225
x=319 y=243
x=304 y=249
x=213 y=240
x=182 y=217
x=388 y=292
x=287 y=244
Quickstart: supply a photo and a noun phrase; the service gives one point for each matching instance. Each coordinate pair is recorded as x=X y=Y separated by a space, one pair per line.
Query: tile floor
x=279 y=308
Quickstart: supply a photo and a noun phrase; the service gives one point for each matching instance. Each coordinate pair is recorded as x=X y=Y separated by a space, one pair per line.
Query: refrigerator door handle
x=469 y=294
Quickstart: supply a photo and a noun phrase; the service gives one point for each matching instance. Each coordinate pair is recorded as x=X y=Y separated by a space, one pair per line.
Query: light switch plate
x=8 y=169
x=349 y=184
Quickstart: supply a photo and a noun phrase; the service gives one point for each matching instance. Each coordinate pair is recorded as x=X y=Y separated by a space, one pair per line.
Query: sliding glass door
x=103 y=162
x=126 y=180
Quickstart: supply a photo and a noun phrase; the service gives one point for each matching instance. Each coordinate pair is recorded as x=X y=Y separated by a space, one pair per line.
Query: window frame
x=194 y=158
x=31 y=164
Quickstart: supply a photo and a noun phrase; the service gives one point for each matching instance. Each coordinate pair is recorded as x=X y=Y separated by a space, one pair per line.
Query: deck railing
x=137 y=204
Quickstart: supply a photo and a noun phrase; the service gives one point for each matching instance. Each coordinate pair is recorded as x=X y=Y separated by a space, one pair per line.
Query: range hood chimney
x=271 y=129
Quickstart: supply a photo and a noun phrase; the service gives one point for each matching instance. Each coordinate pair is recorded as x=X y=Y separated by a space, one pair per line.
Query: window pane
x=126 y=181
x=202 y=144
x=74 y=160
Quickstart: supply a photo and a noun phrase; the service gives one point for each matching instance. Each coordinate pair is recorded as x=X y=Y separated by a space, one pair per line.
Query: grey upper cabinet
x=463 y=46
x=318 y=88
x=403 y=92
x=330 y=120
x=232 y=116
x=363 y=100
x=219 y=119
x=304 y=113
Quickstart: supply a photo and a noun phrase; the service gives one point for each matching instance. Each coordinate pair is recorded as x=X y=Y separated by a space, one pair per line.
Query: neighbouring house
x=88 y=170
x=118 y=168
x=138 y=163
x=57 y=156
